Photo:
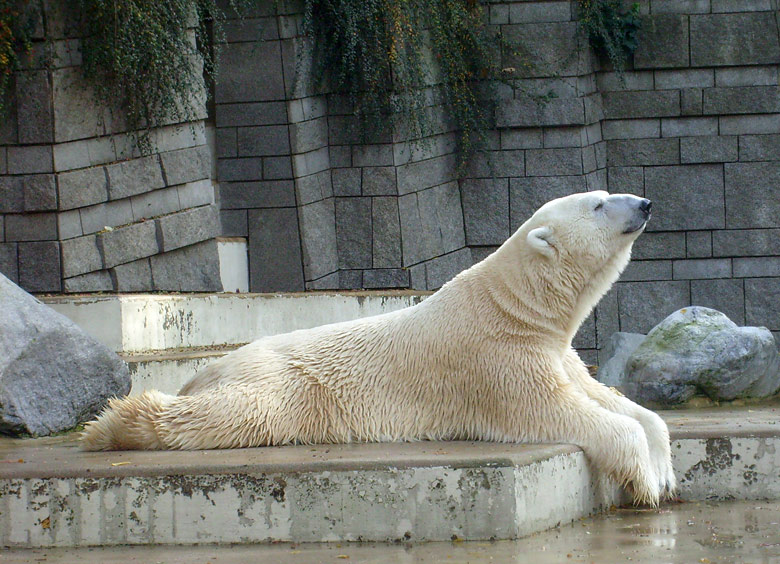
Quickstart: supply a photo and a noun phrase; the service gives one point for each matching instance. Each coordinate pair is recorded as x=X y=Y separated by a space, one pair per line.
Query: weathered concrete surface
x=726 y=454
x=142 y=323
x=60 y=496
x=166 y=339
x=52 y=494
x=736 y=531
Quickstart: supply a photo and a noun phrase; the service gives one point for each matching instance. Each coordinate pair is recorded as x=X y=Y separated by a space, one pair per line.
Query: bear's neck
x=554 y=298
x=596 y=284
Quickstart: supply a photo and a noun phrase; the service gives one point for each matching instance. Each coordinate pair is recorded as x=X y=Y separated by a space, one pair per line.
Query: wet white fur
x=488 y=357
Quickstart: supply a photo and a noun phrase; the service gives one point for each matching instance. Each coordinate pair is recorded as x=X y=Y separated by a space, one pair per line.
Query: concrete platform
x=52 y=494
x=169 y=370
x=722 y=532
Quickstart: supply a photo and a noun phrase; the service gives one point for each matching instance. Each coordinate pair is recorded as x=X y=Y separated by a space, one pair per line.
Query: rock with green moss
x=697 y=350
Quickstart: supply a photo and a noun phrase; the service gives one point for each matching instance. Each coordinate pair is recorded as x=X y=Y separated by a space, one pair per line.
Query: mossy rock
x=698 y=350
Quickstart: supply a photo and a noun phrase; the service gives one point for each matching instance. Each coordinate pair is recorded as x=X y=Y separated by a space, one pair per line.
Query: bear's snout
x=636 y=212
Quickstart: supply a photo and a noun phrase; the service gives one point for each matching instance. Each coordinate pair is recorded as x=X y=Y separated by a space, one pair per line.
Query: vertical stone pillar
x=254 y=154
x=29 y=245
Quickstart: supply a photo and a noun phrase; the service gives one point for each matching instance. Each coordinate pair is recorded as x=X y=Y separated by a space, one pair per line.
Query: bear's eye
x=599 y=206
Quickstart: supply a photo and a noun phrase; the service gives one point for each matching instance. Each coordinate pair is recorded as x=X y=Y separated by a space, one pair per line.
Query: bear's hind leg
x=238 y=416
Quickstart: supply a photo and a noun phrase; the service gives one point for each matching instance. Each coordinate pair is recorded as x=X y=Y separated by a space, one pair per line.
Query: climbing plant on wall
x=385 y=55
x=382 y=54
x=17 y=20
x=393 y=59
x=149 y=59
x=612 y=30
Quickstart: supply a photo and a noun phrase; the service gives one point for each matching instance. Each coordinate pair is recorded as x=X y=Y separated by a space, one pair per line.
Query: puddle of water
x=700 y=532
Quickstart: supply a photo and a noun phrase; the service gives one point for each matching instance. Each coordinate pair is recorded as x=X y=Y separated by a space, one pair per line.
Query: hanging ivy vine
x=385 y=55
x=612 y=31
x=17 y=20
x=141 y=58
x=392 y=59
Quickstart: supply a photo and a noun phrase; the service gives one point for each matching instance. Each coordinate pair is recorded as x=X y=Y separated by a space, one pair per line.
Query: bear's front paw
x=644 y=488
x=660 y=453
x=667 y=482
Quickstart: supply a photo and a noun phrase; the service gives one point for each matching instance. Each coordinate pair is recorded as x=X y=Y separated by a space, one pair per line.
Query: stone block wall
x=695 y=127
x=321 y=207
x=693 y=124
x=81 y=210
x=254 y=149
x=399 y=221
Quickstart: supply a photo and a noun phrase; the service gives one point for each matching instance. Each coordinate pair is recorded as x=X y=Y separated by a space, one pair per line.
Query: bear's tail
x=128 y=424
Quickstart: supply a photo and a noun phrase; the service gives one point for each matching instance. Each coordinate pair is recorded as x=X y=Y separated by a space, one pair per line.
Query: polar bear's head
x=594 y=226
x=565 y=257
x=569 y=253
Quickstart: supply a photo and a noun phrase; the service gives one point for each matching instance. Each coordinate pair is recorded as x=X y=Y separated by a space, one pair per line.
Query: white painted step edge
x=167 y=372
x=152 y=322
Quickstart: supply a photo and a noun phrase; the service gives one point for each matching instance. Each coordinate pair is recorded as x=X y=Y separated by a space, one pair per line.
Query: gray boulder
x=700 y=350
x=53 y=376
x=617 y=351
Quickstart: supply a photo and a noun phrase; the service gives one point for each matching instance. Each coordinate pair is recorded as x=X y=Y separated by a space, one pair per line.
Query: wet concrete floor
x=695 y=532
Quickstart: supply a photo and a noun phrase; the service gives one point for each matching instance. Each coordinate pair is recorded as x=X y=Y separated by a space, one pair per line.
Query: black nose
x=645 y=206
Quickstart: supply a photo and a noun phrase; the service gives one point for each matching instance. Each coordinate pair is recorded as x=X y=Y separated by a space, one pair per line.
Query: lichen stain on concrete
x=258 y=487
x=11 y=488
x=719 y=457
x=88 y=486
x=750 y=475
x=314 y=489
x=278 y=491
x=764 y=447
x=475 y=484
x=476 y=477
x=133 y=516
x=174 y=317
x=41 y=488
x=189 y=485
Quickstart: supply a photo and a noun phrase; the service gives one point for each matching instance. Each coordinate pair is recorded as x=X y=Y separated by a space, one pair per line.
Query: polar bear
x=487 y=357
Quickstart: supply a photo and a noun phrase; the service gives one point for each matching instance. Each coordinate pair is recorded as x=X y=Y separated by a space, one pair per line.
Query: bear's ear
x=539 y=239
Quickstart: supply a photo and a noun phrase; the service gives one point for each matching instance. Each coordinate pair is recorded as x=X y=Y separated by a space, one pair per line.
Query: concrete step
x=169 y=370
x=52 y=494
x=703 y=531
x=166 y=339
x=140 y=323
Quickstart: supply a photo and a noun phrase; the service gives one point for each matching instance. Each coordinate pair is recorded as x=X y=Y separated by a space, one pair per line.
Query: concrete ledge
x=726 y=453
x=151 y=322
x=166 y=339
x=168 y=371
x=52 y=494
x=422 y=491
